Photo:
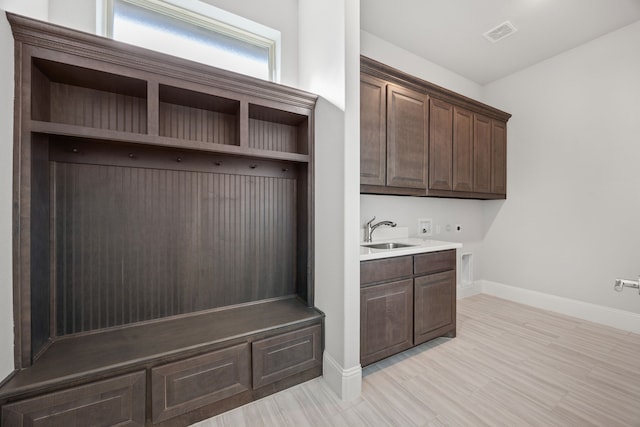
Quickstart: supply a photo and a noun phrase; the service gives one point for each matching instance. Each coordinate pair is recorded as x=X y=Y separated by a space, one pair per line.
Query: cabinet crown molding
x=378 y=69
x=69 y=41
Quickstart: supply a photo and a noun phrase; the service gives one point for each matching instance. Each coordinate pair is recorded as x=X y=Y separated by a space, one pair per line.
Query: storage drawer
x=381 y=270
x=118 y=401
x=435 y=262
x=183 y=386
x=284 y=355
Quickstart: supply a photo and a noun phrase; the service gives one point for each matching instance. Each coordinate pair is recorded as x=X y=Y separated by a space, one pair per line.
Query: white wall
x=571 y=223
x=329 y=66
x=405 y=211
x=77 y=14
x=381 y=50
x=281 y=15
x=36 y=9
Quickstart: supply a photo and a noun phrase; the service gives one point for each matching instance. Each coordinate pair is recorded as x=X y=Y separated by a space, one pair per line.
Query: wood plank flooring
x=511 y=365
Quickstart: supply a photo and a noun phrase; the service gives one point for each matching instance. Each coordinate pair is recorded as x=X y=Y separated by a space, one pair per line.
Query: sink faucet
x=368 y=228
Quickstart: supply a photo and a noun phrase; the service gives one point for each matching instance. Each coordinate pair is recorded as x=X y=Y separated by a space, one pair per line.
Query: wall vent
x=500 y=32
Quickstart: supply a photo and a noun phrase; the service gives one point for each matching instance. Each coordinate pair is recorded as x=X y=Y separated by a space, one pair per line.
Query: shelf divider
x=153 y=107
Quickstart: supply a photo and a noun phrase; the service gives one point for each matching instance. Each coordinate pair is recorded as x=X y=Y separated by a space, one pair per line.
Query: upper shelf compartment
x=68 y=94
x=277 y=130
x=195 y=116
x=125 y=94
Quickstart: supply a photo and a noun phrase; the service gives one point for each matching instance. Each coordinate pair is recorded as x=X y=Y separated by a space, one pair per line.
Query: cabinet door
x=440 y=145
x=481 y=154
x=117 y=401
x=385 y=320
x=373 y=130
x=435 y=306
x=462 y=150
x=407 y=114
x=499 y=157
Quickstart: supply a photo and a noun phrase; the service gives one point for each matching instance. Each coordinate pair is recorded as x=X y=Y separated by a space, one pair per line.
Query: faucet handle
x=372 y=219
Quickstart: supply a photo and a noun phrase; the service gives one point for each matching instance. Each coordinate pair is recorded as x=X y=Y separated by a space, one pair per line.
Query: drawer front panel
x=284 y=355
x=385 y=269
x=435 y=262
x=118 y=401
x=180 y=387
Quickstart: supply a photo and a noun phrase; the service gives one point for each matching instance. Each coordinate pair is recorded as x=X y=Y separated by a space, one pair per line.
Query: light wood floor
x=511 y=365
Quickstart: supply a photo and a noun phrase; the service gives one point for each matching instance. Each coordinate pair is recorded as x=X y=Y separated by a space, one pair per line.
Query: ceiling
x=450 y=32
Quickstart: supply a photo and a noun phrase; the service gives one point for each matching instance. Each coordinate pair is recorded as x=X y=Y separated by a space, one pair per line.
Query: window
x=196 y=31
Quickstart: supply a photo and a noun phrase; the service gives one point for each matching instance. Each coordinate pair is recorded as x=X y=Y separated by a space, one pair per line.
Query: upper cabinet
x=440 y=148
x=481 y=154
x=420 y=139
x=393 y=135
x=498 y=157
x=406 y=136
x=462 y=150
x=373 y=130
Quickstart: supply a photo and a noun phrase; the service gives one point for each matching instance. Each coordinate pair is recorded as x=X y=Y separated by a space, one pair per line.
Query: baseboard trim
x=468 y=290
x=620 y=319
x=346 y=383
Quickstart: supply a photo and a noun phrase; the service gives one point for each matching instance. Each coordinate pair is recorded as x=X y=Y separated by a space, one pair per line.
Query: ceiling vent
x=500 y=32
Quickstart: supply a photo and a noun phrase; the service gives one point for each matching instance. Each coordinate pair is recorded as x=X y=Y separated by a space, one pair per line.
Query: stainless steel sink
x=387 y=245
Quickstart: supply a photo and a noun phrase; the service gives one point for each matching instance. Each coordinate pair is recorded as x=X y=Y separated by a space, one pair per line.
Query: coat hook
x=131 y=156
x=178 y=159
x=75 y=150
x=253 y=166
x=284 y=169
x=217 y=163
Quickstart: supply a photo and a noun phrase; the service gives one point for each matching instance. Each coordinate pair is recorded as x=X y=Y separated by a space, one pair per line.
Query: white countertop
x=421 y=246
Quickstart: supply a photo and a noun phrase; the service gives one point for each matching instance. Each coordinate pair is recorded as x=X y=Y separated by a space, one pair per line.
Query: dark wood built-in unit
x=373 y=131
x=440 y=148
x=434 y=293
x=163 y=244
x=278 y=357
x=116 y=401
x=386 y=319
x=419 y=139
x=407 y=113
x=405 y=301
x=463 y=164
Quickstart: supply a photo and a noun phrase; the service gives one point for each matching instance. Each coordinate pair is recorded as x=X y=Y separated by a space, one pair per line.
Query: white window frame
x=205 y=16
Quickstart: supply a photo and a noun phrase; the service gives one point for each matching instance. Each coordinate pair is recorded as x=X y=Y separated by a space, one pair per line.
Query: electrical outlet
x=425 y=227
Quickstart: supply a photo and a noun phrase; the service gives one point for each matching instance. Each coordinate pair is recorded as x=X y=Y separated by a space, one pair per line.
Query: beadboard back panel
x=134 y=243
x=193 y=116
x=272 y=136
x=178 y=121
x=78 y=96
x=80 y=106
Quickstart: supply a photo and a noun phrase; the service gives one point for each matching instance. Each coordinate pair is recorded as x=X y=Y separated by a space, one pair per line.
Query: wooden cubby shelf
x=68 y=94
x=276 y=130
x=193 y=116
x=163 y=254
